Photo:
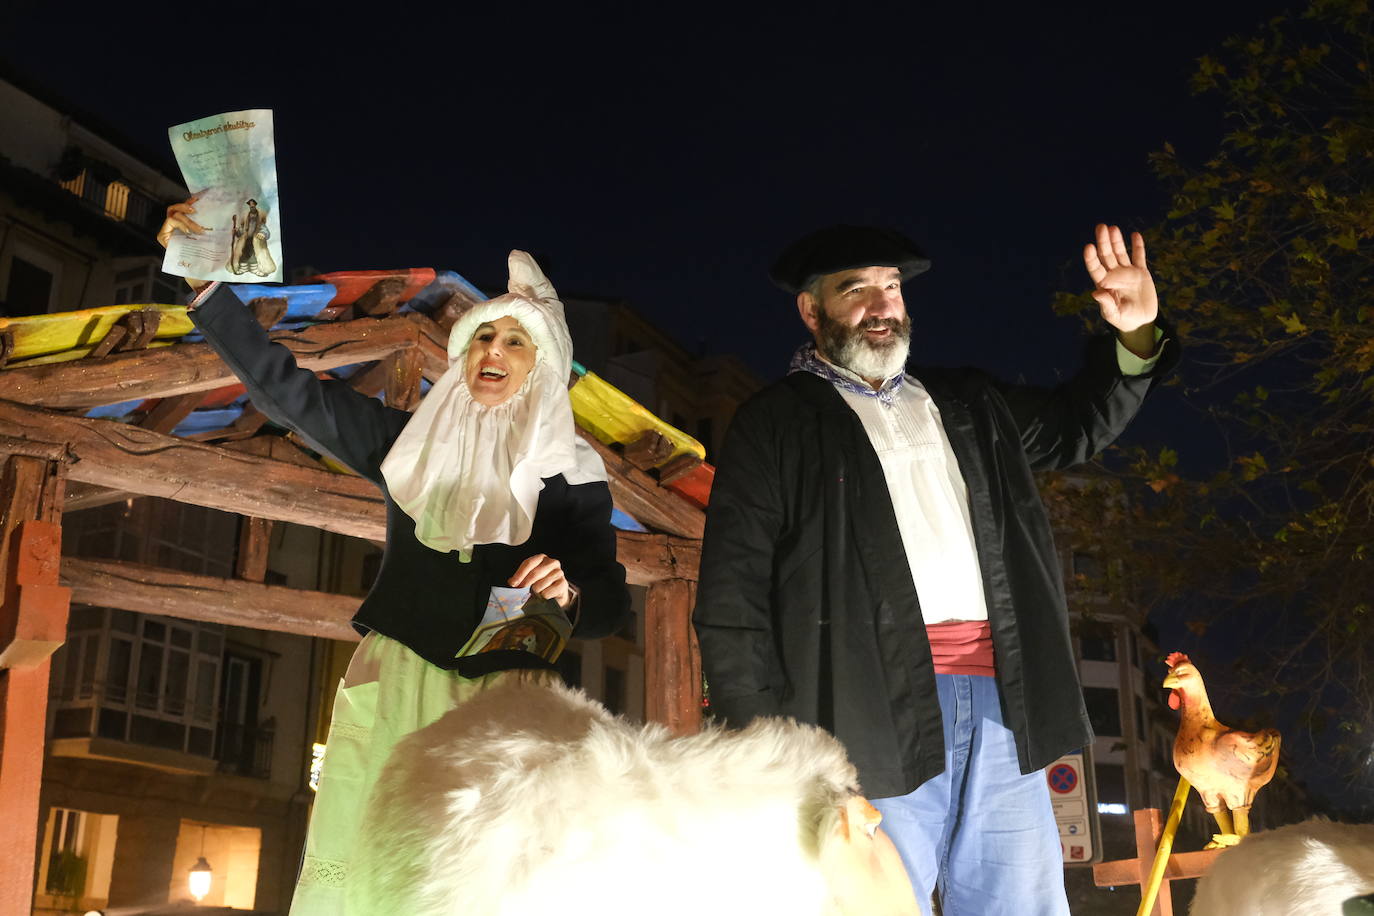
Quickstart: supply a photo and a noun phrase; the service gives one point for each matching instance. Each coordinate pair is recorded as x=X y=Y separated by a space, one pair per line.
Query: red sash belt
x=962 y=647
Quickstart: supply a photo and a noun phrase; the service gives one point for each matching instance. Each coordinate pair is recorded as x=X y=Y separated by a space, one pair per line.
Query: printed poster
x=229 y=161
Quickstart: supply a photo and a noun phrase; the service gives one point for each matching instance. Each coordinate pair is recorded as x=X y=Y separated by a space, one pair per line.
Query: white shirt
x=929 y=497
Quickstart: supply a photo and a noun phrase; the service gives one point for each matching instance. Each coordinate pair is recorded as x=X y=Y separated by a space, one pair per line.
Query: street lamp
x=200 y=872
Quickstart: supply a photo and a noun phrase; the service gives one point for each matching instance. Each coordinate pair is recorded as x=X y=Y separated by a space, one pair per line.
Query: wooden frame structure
x=54 y=458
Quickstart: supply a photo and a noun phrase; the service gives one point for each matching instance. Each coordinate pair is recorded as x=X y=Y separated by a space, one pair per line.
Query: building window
x=117 y=200
x=66 y=865
x=144 y=680
x=243 y=744
x=30 y=288
x=1104 y=710
x=142 y=285
x=1087 y=568
x=159 y=532
x=1111 y=784
x=1097 y=642
x=233 y=854
x=77 y=862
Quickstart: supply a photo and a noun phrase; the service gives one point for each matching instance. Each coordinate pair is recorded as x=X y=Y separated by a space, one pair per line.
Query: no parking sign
x=1075 y=809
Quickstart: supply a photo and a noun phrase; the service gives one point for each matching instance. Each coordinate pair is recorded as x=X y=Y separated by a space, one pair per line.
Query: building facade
x=78 y=212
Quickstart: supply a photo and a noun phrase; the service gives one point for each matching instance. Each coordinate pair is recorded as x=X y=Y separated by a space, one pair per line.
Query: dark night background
x=663 y=154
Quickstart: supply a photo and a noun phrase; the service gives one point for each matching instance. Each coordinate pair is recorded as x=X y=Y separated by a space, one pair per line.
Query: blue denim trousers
x=981 y=833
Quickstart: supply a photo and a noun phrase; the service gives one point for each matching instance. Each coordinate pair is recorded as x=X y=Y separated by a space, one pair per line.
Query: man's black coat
x=806 y=605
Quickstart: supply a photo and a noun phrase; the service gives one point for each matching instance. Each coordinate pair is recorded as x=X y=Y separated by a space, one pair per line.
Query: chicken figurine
x=1226 y=766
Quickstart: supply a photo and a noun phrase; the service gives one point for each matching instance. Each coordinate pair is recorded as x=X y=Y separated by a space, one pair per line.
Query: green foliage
x=67 y=874
x=1265 y=260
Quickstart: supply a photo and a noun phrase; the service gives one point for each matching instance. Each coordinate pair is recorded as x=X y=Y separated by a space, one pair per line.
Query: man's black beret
x=837 y=248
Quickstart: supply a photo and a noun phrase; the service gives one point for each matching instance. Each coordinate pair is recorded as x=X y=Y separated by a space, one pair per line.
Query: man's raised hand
x=1125 y=290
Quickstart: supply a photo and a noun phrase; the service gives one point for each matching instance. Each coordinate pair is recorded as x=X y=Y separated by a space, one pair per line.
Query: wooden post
x=255 y=541
x=672 y=661
x=1125 y=872
x=33 y=622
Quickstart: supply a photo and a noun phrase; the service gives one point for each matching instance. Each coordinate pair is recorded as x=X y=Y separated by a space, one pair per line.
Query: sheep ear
x=526 y=279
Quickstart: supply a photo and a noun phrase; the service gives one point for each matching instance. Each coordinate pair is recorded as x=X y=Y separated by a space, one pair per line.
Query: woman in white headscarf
x=486 y=485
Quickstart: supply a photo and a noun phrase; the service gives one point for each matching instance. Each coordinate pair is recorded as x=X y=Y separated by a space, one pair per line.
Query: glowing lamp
x=200 y=879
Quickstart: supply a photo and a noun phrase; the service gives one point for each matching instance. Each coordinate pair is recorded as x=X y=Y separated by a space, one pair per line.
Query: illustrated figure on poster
x=877 y=561
x=486 y=485
x=248 y=250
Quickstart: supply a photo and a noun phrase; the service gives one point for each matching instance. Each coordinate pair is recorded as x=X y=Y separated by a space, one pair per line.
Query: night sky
x=664 y=153
x=665 y=157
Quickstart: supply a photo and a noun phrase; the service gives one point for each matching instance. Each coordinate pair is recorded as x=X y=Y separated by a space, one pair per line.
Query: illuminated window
x=78 y=860
x=116 y=200
x=232 y=854
x=76 y=185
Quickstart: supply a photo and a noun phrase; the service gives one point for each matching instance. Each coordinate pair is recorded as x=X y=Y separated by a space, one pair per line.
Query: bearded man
x=877 y=561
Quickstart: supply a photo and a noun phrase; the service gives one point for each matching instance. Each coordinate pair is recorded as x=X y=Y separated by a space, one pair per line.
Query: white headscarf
x=470 y=474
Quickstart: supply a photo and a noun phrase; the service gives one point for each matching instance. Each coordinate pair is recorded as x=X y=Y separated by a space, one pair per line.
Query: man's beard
x=868 y=359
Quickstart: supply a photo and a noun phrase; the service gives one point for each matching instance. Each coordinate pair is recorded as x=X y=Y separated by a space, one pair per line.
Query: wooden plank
x=116 y=335
x=446 y=315
x=649 y=450
x=168 y=412
x=382 y=297
x=672 y=662
x=142 y=329
x=403 y=379
x=1126 y=872
x=647 y=558
x=639 y=495
x=255 y=542
x=246 y=426
x=279 y=448
x=433 y=345
x=150 y=590
x=128 y=458
x=185 y=368
x=89 y=496
x=372 y=380
x=266 y=477
x=268 y=310
x=677 y=469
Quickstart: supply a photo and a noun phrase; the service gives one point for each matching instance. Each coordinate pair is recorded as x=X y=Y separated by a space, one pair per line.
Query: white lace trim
x=324 y=872
x=339 y=729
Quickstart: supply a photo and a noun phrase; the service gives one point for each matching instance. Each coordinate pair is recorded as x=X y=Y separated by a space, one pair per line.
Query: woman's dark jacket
x=806 y=605
x=427 y=600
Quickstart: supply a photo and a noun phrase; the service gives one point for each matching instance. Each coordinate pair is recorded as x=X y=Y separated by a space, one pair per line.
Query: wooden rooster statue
x=1226 y=766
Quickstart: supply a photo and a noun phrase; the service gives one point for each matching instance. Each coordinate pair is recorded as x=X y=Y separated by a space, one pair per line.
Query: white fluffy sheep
x=533 y=799
x=1306 y=869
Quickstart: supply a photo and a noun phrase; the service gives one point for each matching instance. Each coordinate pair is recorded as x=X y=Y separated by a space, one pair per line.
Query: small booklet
x=229 y=161
x=518 y=619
